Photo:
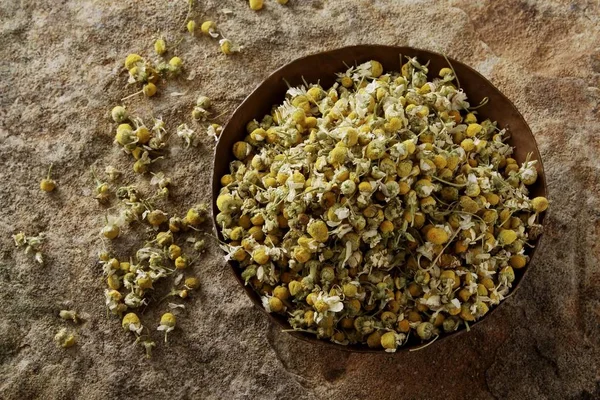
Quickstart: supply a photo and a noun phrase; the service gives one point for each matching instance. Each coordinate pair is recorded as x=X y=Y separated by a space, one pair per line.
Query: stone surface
x=60 y=73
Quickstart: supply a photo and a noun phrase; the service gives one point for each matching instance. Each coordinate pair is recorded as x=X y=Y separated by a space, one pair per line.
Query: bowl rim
x=215 y=183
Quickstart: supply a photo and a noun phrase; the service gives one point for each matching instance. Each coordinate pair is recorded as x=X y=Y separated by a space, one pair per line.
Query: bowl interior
x=321 y=68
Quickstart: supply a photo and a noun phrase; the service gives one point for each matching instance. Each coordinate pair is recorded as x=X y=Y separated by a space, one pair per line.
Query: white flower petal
x=336 y=307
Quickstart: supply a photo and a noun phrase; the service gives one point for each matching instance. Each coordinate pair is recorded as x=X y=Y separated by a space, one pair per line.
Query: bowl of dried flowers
x=378 y=198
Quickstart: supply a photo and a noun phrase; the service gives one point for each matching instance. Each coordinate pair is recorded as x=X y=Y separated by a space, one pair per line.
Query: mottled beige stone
x=60 y=73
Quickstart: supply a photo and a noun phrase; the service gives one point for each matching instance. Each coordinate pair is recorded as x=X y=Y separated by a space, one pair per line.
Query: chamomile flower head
x=391 y=340
x=181 y=262
x=256 y=5
x=539 y=204
x=111 y=231
x=209 y=28
x=113 y=300
x=119 y=114
x=196 y=215
x=167 y=324
x=228 y=47
x=192 y=283
x=191 y=26
x=131 y=323
x=149 y=89
x=272 y=304
x=70 y=315
x=437 y=235
x=160 y=46
x=65 y=339
x=47 y=184
x=112 y=172
x=175 y=63
x=214 y=130
x=156 y=217
x=132 y=60
x=203 y=101
x=188 y=135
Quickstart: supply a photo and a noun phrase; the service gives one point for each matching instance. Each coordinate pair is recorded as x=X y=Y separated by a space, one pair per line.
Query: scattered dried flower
x=65 y=339
x=69 y=315
x=31 y=244
x=167 y=324
x=47 y=184
x=189 y=136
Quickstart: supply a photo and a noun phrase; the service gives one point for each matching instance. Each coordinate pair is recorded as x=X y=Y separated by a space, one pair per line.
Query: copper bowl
x=322 y=67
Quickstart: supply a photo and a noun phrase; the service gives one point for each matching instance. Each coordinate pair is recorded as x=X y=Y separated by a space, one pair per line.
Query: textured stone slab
x=60 y=72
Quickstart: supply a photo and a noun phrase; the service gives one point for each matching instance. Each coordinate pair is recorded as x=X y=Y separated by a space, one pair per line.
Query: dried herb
x=378 y=208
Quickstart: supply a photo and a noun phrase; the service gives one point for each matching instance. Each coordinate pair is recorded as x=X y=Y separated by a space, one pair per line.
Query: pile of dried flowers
x=378 y=208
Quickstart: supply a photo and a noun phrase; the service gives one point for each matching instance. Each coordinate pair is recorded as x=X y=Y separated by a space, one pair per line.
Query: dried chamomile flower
x=160 y=46
x=214 y=130
x=229 y=47
x=149 y=89
x=189 y=136
x=391 y=340
x=160 y=180
x=199 y=114
x=181 y=262
x=539 y=204
x=176 y=224
x=20 y=239
x=384 y=205
x=191 y=26
x=200 y=246
x=31 y=244
x=69 y=315
x=111 y=230
x=119 y=114
x=196 y=215
x=131 y=323
x=102 y=190
x=256 y=4
x=142 y=164
x=140 y=71
x=209 y=28
x=132 y=60
x=156 y=217
x=146 y=75
x=175 y=64
x=113 y=301
x=164 y=239
x=125 y=135
x=174 y=252
x=167 y=324
x=273 y=304
x=65 y=339
x=200 y=110
x=425 y=330
x=192 y=283
x=203 y=101
x=437 y=235
x=147 y=345
x=47 y=184
x=112 y=172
